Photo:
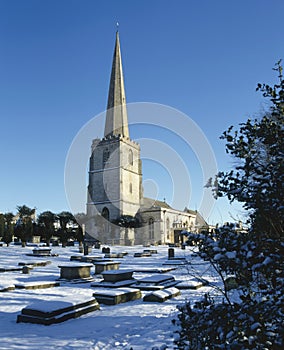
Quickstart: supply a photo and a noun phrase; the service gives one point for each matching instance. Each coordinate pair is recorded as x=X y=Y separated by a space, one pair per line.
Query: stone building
x=117 y=212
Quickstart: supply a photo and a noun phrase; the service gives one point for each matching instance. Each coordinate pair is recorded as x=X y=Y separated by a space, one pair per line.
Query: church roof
x=116 y=117
x=190 y=211
x=150 y=202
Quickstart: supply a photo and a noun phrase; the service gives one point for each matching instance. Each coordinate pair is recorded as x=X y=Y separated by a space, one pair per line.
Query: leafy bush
x=255 y=257
x=252 y=324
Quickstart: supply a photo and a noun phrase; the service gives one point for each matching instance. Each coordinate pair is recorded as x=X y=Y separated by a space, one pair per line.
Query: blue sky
x=203 y=58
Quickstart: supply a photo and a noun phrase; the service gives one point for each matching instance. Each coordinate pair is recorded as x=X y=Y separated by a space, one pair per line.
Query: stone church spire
x=116 y=117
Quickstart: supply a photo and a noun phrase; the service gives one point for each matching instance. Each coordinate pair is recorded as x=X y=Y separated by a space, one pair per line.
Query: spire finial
x=117 y=26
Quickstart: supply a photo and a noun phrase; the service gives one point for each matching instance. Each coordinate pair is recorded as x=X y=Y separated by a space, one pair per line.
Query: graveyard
x=123 y=299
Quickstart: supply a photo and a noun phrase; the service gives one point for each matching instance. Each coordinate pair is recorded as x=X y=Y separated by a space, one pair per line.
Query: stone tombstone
x=26 y=269
x=171 y=253
x=86 y=250
x=74 y=271
x=106 y=250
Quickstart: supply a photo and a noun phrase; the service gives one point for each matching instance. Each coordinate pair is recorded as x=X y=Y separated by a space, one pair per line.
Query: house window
x=130 y=157
x=151 y=228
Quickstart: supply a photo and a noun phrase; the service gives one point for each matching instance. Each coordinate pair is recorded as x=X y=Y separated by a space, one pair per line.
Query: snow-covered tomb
x=162 y=295
x=155 y=282
x=117 y=296
x=56 y=311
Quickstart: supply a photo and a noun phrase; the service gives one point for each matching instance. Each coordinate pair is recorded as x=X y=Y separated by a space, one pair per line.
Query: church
x=117 y=211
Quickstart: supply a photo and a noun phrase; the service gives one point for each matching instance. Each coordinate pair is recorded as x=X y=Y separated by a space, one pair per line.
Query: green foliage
x=24 y=227
x=65 y=218
x=25 y=212
x=254 y=258
x=127 y=221
x=257 y=180
x=251 y=324
x=9 y=228
x=81 y=219
x=46 y=222
x=2 y=225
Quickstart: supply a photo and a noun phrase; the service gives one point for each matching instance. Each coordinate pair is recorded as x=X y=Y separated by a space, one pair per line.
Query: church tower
x=115 y=176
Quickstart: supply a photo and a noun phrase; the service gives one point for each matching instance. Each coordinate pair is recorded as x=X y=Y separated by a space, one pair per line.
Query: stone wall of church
x=104 y=168
x=115 y=183
x=159 y=225
x=130 y=177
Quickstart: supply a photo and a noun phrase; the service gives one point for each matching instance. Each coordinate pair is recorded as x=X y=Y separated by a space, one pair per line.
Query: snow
x=166 y=292
x=133 y=325
x=45 y=249
x=114 y=292
x=231 y=255
x=155 y=278
x=53 y=305
x=75 y=265
x=117 y=272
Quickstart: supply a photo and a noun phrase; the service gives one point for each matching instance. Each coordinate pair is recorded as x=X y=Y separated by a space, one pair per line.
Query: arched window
x=130 y=187
x=105 y=215
x=130 y=157
x=105 y=156
x=151 y=228
x=168 y=228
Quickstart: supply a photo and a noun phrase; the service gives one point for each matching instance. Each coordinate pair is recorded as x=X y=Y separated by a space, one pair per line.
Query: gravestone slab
x=142 y=255
x=6 y=287
x=114 y=255
x=117 y=275
x=101 y=266
x=35 y=263
x=119 y=284
x=115 y=279
x=155 y=282
x=154 y=269
x=56 y=311
x=162 y=295
x=86 y=258
x=176 y=261
x=75 y=271
x=37 y=285
x=191 y=284
x=42 y=251
x=10 y=268
x=151 y=251
x=117 y=296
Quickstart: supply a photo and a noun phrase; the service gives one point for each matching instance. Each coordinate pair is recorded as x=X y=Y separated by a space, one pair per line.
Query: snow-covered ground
x=133 y=325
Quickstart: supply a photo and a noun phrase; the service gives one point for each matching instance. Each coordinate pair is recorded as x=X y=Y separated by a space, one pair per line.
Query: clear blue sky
x=202 y=57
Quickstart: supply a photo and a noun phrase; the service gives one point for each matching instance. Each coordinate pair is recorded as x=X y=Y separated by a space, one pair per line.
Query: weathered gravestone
x=75 y=272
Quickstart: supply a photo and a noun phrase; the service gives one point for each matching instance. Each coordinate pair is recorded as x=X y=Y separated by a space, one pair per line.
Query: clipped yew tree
x=251 y=316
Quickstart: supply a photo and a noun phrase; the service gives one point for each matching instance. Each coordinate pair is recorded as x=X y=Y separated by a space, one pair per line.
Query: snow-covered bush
x=248 y=325
x=255 y=257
